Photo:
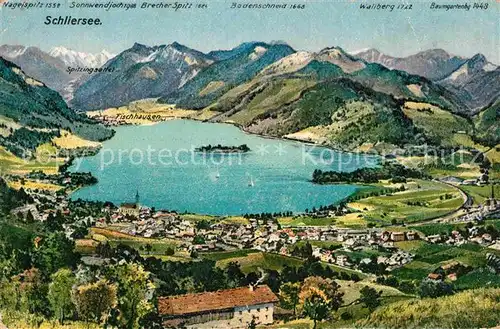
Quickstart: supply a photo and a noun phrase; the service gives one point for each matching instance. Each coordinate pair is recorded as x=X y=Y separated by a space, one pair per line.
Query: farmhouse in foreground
x=231 y=308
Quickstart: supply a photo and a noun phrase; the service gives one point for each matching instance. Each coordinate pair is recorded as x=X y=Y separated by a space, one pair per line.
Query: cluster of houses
x=450 y=271
x=263 y=235
x=44 y=203
x=258 y=234
x=367 y=240
x=475 y=235
x=491 y=208
x=482 y=180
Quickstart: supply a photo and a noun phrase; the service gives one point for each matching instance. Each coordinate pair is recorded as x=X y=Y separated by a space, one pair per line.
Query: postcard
x=249 y=164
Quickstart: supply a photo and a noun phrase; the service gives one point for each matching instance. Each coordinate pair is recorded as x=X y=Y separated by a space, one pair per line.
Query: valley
x=173 y=171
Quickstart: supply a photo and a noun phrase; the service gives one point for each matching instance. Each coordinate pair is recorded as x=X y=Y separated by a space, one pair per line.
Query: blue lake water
x=159 y=162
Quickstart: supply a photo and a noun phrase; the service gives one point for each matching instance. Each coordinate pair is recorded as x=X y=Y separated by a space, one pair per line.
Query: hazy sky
x=321 y=24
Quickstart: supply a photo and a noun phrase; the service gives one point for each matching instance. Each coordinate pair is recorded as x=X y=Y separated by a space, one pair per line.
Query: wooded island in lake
x=243 y=148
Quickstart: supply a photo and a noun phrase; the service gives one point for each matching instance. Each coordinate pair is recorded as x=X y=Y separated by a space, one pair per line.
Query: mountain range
x=235 y=67
x=345 y=99
x=51 y=67
x=80 y=59
x=191 y=79
x=465 y=77
x=140 y=72
x=477 y=81
x=434 y=64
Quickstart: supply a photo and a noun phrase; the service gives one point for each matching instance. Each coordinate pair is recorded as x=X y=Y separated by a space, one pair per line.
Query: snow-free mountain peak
x=300 y=59
x=342 y=59
x=477 y=64
x=245 y=47
x=140 y=72
x=434 y=64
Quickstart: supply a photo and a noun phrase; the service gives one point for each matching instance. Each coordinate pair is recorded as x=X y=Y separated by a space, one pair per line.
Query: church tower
x=137 y=199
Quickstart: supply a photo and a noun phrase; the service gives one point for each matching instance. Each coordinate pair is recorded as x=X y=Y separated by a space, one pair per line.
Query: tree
x=148 y=248
x=60 y=293
x=370 y=297
x=234 y=276
x=31 y=292
x=80 y=232
x=198 y=239
x=133 y=287
x=170 y=251
x=54 y=222
x=316 y=307
x=289 y=296
x=319 y=297
x=94 y=301
x=29 y=217
x=151 y=320
x=55 y=252
x=433 y=289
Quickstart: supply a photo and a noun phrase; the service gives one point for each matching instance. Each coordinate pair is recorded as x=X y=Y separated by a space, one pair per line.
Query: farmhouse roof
x=434 y=276
x=217 y=300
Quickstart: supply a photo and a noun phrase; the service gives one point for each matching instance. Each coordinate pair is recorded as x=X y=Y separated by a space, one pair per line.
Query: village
x=356 y=249
x=395 y=254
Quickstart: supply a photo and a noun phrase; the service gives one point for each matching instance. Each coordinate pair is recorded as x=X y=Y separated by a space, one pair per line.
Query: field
x=69 y=141
x=438 y=123
x=480 y=278
x=18 y=320
x=438 y=228
x=253 y=261
x=158 y=247
x=353 y=220
x=145 y=108
x=305 y=221
x=421 y=201
x=86 y=246
x=194 y=218
x=366 y=252
x=480 y=193
x=34 y=185
x=11 y=164
x=459 y=164
x=204 y=114
x=469 y=309
x=222 y=255
x=351 y=306
x=351 y=290
x=428 y=257
x=494 y=154
x=272 y=97
x=447 y=228
x=197 y=218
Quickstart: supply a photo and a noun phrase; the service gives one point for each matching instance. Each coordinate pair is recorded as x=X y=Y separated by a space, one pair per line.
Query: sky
x=321 y=24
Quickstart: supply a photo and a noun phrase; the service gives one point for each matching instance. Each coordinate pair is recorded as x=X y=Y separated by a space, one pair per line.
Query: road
x=452 y=215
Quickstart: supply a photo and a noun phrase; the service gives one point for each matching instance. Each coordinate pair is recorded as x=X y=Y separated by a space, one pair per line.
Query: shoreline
x=357 y=187
x=246 y=131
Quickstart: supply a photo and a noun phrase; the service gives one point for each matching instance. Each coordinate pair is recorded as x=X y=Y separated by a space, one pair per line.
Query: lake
x=159 y=162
